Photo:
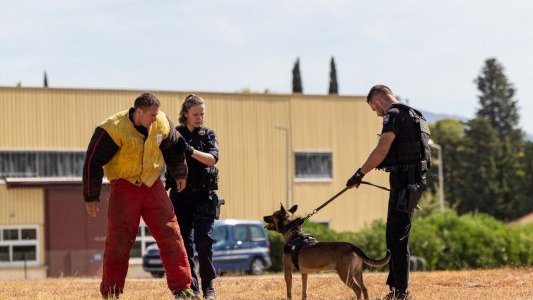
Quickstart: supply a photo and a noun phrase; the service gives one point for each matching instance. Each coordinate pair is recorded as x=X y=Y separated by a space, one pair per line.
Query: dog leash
x=375 y=185
x=334 y=197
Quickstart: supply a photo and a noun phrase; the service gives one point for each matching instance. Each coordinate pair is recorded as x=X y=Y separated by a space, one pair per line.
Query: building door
x=74 y=242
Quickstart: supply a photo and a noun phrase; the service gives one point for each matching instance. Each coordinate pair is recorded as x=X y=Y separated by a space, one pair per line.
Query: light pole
x=287 y=167
x=441 y=177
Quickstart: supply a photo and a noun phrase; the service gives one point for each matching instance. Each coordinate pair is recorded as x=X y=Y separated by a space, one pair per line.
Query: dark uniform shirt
x=202 y=139
x=407 y=148
x=398 y=121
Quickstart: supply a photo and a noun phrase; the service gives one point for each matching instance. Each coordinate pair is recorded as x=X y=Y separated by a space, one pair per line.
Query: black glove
x=170 y=182
x=188 y=149
x=355 y=179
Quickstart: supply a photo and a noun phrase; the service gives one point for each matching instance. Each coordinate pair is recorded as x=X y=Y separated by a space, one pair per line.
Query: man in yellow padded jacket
x=132 y=147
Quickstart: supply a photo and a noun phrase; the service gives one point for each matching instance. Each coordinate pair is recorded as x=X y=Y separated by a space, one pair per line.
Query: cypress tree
x=333 y=86
x=45 y=83
x=296 y=78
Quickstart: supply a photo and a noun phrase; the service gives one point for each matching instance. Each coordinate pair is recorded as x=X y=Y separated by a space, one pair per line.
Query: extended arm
x=374 y=159
x=100 y=151
x=379 y=153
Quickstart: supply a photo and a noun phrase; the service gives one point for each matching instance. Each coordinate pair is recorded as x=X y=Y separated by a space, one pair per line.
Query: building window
x=257 y=233
x=18 y=245
x=313 y=165
x=142 y=241
x=15 y=163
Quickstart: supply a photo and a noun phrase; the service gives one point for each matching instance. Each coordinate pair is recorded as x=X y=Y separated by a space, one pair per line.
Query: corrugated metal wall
x=347 y=127
x=252 y=151
x=23 y=207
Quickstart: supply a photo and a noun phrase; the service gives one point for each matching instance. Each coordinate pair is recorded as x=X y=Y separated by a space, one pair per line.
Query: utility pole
x=441 y=176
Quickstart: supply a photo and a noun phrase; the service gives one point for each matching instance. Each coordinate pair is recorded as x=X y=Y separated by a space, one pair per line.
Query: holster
x=409 y=197
x=211 y=207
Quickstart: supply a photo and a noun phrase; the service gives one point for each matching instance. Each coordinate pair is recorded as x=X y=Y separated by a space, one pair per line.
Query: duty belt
x=420 y=166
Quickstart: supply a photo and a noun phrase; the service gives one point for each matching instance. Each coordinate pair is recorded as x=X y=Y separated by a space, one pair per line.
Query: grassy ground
x=507 y=283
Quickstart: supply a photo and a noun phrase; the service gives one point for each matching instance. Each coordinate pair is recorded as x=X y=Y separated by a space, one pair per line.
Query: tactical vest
x=139 y=159
x=201 y=177
x=409 y=151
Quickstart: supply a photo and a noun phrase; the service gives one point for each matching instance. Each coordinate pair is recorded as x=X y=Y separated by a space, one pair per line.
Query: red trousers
x=127 y=204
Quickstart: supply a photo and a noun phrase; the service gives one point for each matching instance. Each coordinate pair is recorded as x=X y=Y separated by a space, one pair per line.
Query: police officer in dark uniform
x=402 y=150
x=197 y=206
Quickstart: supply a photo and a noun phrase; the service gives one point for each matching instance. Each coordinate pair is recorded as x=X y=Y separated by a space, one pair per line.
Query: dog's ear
x=282 y=208
x=293 y=208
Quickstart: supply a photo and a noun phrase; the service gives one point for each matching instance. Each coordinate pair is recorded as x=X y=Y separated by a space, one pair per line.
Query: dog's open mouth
x=270 y=227
x=269 y=223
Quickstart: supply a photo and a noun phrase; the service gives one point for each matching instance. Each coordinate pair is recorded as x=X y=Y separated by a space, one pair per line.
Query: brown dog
x=308 y=255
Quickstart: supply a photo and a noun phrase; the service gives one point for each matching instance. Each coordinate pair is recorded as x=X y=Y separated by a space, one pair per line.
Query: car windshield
x=220 y=234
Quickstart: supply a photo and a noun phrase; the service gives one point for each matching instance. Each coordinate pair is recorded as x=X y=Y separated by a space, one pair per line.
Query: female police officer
x=196 y=207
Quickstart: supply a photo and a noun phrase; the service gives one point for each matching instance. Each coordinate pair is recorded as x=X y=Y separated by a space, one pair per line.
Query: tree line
x=487 y=161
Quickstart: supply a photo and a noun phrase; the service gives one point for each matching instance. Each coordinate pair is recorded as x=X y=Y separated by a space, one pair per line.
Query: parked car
x=240 y=246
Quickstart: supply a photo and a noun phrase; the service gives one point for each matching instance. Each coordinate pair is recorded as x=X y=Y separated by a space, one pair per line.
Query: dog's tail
x=372 y=262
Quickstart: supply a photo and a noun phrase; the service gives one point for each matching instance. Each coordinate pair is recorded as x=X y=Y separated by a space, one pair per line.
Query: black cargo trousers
x=196 y=218
x=397 y=234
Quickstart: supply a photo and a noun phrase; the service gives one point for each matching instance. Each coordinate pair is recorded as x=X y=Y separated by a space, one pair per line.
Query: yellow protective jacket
x=120 y=150
x=138 y=160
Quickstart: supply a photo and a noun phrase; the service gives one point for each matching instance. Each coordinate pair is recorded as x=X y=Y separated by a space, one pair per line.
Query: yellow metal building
x=265 y=141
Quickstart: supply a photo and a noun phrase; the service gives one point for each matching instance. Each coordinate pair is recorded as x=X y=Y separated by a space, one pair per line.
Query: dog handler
x=197 y=206
x=132 y=147
x=402 y=150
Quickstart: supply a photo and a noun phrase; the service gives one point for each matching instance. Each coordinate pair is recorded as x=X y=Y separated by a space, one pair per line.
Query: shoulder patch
x=385 y=119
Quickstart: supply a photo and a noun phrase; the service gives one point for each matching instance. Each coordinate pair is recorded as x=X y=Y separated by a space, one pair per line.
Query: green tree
x=499 y=107
x=449 y=134
x=296 y=78
x=479 y=185
x=333 y=86
x=524 y=203
x=497 y=98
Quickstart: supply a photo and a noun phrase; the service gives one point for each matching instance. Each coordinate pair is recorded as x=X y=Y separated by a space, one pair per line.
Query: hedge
x=445 y=240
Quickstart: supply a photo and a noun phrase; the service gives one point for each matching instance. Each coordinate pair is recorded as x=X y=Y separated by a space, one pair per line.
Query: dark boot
x=398 y=295
x=209 y=291
x=185 y=294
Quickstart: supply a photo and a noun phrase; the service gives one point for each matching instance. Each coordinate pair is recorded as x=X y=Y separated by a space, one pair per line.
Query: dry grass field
x=506 y=283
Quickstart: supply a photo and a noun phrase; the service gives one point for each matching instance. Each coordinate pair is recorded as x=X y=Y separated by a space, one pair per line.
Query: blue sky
x=427 y=51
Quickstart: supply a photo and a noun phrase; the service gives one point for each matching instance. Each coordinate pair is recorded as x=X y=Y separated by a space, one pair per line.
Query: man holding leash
x=402 y=150
x=132 y=147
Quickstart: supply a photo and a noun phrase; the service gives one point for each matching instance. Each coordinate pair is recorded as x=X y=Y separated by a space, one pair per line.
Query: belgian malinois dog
x=313 y=256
